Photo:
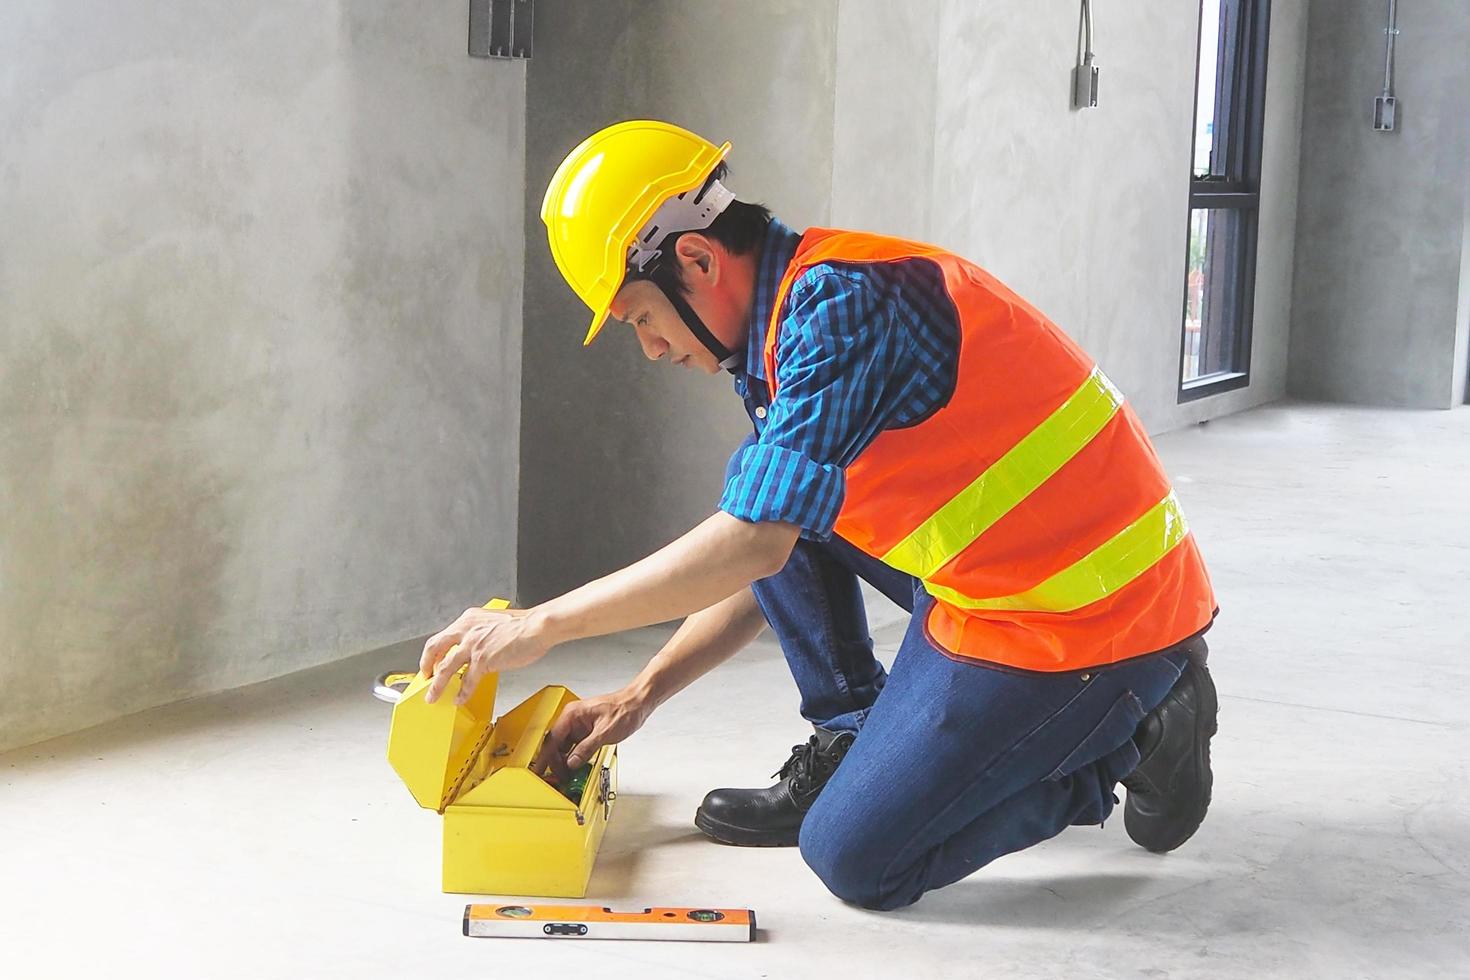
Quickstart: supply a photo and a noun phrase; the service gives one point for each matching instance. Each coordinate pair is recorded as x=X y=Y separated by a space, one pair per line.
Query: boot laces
x=808 y=764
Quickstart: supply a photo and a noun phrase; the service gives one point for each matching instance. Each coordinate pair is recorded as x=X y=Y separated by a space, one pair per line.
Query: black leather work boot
x=772 y=817
x=1169 y=792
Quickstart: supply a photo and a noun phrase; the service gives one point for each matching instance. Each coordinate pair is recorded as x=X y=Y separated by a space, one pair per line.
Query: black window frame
x=1233 y=184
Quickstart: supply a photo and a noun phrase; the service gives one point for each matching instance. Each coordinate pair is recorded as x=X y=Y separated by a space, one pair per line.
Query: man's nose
x=653 y=347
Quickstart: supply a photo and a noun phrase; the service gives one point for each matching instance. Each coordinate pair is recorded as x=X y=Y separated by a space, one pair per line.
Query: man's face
x=661 y=332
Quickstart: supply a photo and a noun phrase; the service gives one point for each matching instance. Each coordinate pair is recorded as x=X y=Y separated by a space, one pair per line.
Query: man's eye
x=642 y=321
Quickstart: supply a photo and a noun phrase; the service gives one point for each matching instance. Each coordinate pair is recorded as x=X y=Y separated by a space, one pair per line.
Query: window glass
x=1212 y=291
x=1207 y=88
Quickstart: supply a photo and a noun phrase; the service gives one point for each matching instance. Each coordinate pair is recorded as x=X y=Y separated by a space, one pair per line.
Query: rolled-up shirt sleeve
x=774 y=483
x=834 y=359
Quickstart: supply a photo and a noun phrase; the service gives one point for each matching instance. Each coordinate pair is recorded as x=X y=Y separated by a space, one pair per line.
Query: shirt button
x=760 y=411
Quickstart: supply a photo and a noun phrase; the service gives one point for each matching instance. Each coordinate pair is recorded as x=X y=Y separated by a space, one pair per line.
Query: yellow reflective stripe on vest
x=1009 y=480
x=1110 y=566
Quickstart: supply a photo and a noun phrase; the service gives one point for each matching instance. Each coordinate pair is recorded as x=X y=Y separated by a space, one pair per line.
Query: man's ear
x=698 y=254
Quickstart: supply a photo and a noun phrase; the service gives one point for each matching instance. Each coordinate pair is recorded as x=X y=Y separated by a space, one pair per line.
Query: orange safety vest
x=1031 y=505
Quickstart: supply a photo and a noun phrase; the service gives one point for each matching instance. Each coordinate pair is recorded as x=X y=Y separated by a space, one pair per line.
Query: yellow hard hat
x=606 y=190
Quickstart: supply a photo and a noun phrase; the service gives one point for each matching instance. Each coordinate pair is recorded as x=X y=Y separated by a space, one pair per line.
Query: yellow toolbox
x=507 y=831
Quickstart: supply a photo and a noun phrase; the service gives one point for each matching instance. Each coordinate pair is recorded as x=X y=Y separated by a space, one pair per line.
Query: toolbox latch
x=605 y=794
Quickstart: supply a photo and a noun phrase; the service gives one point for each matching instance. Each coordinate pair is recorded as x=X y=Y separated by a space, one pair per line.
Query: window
x=1224 y=197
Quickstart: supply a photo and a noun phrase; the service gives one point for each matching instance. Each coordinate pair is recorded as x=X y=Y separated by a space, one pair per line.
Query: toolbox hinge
x=452 y=793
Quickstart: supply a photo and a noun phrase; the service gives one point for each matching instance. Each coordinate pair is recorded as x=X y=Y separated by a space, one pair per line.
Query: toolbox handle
x=390 y=685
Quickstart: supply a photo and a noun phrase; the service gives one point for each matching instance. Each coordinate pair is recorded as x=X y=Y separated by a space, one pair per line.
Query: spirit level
x=594 y=922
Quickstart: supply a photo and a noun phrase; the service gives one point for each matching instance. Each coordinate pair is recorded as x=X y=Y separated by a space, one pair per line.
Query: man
x=919 y=426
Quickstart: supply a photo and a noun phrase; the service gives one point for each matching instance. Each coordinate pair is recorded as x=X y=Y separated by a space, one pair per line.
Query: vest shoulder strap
x=820 y=245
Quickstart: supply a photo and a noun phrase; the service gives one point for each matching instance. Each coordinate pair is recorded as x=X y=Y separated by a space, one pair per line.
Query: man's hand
x=707 y=638
x=486 y=639
x=586 y=726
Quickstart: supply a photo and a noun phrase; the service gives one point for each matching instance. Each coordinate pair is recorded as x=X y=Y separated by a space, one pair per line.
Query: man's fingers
x=435 y=648
x=587 y=747
x=552 y=755
x=471 y=681
x=549 y=758
x=444 y=671
x=571 y=726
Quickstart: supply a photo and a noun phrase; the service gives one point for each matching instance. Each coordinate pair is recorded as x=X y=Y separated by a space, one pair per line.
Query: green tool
x=577 y=782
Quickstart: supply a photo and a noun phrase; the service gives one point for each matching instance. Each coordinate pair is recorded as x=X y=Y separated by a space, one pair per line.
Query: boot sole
x=1206 y=725
x=725 y=833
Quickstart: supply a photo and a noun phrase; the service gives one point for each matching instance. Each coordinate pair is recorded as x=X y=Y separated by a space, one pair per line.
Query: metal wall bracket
x=1084 y=75
x=501 y=28
x=1385 y=106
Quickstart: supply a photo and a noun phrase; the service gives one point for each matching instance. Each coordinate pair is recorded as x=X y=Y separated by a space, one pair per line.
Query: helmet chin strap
x=693 y=210
x=728 y=359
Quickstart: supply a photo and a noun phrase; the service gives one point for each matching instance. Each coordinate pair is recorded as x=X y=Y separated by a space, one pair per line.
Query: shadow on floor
x=1367 y=874
x=1062 y=902
x=634 y=834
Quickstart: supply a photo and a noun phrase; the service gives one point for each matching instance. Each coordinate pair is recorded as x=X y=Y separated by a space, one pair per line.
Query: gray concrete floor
x=260 y=833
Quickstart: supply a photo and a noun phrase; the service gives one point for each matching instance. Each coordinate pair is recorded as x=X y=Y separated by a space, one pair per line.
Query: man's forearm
x=707 y=639
x=720 y=557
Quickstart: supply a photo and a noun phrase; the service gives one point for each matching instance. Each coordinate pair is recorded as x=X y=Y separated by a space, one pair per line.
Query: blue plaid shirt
x=861 y=348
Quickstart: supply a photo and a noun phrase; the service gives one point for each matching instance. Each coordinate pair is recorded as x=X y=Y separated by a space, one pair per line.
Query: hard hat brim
x=598 y=321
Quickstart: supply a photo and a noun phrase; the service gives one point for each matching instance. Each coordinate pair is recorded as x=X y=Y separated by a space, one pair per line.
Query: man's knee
x=850 y=865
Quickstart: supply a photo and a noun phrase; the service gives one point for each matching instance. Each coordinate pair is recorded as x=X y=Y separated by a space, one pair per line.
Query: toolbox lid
x=432 y=746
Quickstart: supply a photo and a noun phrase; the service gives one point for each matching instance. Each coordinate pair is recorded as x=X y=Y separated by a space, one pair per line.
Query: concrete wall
x=259 y=342
x=1381 y=283
x=1461 y=392
x=954 y=125
x=619 y=456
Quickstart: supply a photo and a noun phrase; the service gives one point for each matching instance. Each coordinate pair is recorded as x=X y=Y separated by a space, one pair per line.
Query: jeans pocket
x=1116 y=728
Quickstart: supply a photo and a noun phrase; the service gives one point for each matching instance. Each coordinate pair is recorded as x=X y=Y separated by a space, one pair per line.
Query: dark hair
x=738 y=228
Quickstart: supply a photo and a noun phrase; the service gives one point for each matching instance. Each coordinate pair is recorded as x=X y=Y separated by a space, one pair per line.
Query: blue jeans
x=955 y=763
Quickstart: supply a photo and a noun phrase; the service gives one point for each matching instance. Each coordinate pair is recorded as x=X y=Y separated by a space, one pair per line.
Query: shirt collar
x=778 y=246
